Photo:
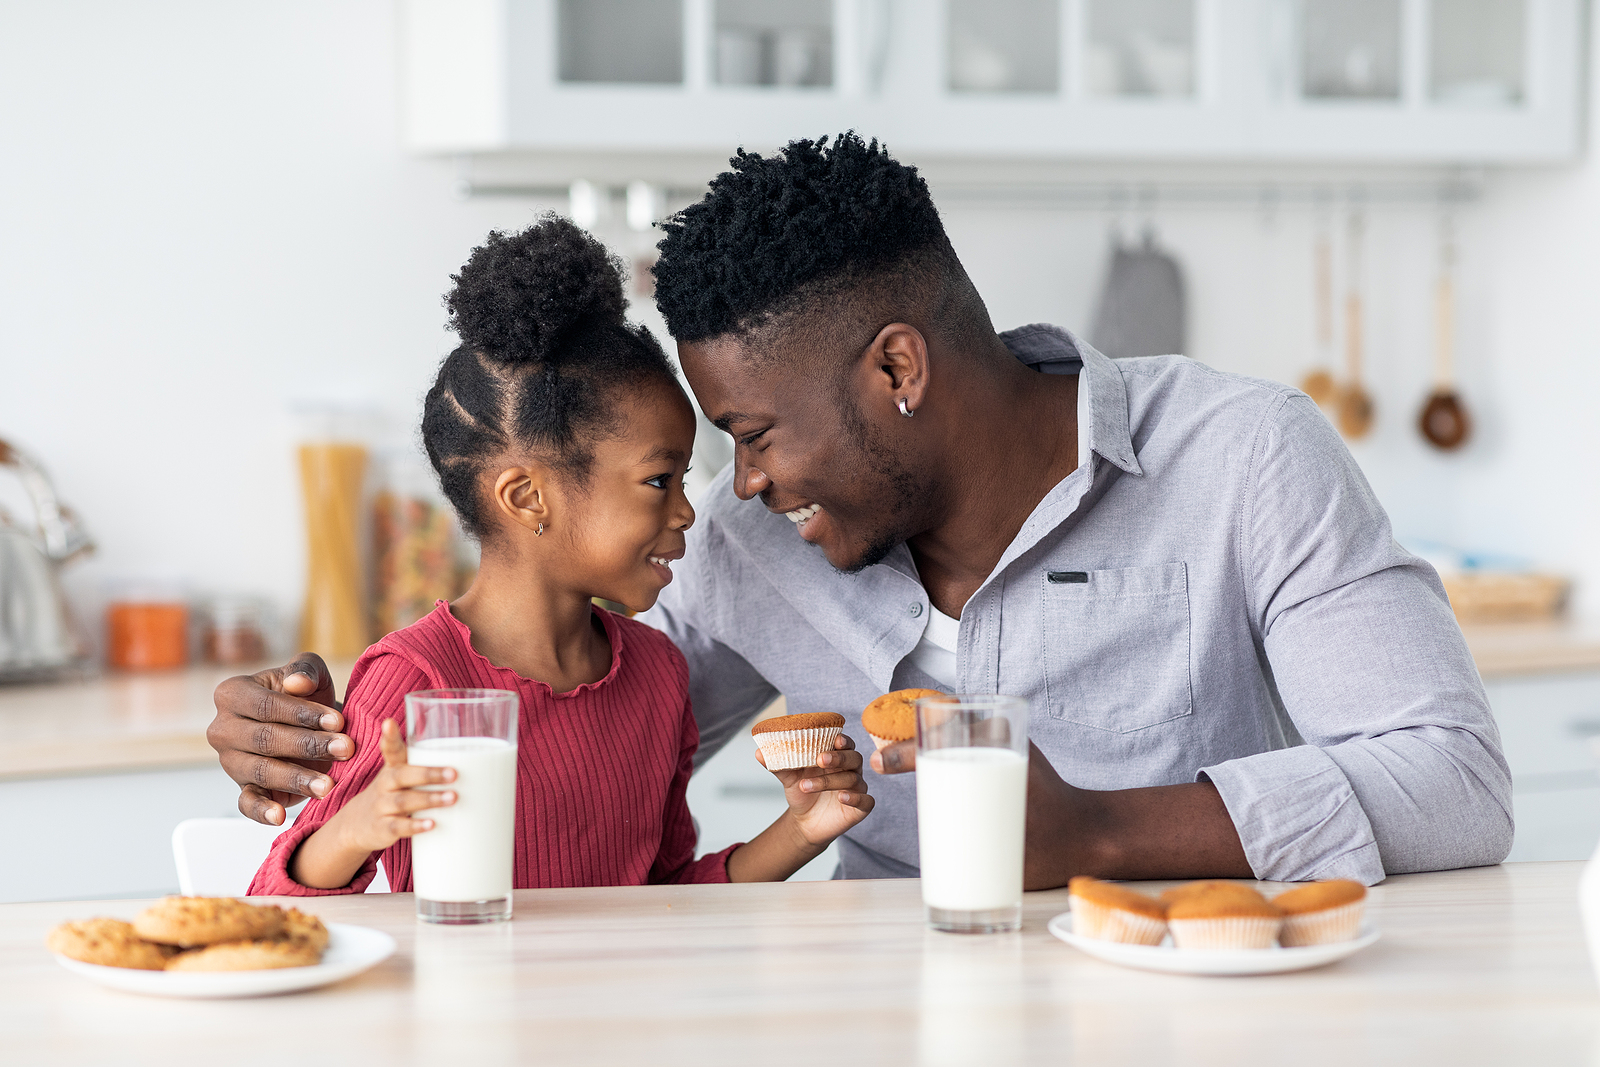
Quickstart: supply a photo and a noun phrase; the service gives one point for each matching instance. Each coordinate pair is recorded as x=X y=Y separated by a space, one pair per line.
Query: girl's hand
x=828 y=799
x=382 y=813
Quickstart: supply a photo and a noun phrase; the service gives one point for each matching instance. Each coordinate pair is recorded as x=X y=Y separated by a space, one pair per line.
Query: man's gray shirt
x=1215 y=595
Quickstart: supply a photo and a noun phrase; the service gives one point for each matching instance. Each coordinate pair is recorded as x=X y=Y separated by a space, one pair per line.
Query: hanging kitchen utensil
x=37 y=638
x=1444 y=421
x=1355 y=403
x=1141 y=310
x=1319 y=383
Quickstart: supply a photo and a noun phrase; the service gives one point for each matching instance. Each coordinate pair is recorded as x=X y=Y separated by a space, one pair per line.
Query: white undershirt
x=935 y=654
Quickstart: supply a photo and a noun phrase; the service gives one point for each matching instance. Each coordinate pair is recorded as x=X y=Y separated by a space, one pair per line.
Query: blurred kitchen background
x=225 y=229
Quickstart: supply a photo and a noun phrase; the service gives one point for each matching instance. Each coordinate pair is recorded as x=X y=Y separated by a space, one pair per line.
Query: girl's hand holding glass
x=385 y=811
x=375 y=818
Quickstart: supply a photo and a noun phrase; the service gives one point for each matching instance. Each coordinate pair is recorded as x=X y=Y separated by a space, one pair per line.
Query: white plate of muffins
x=1215 y=927
x=213 y=947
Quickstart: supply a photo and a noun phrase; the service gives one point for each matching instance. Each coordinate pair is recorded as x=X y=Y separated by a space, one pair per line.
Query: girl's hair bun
x=520 y=294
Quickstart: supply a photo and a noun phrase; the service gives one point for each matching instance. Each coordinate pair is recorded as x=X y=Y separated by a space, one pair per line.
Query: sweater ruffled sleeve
x=378 y=687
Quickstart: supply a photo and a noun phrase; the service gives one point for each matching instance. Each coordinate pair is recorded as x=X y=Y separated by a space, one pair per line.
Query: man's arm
x=276 y=732
x=1402 y=768
x=1165 y=831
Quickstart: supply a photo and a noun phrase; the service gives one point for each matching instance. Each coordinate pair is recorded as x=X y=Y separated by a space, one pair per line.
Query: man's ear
x=899 y=357
x=522 y=494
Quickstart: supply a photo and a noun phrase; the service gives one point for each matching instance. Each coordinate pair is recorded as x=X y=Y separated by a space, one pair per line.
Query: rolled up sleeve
x=1401 y=768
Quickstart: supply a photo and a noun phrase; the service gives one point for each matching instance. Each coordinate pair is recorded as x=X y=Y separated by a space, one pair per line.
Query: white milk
x=467 y=855
x=971 y=804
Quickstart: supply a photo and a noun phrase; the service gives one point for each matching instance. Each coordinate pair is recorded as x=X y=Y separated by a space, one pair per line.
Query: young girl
x=561 y=436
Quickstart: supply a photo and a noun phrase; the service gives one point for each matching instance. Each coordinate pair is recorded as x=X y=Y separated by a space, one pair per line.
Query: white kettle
x=37 y=639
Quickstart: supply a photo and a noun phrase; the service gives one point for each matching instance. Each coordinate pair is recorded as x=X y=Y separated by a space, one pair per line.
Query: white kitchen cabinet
x=1413 y=81
x=100 y=836
x=1549 y=724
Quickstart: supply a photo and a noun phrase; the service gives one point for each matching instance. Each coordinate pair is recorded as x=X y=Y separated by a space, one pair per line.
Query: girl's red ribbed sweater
x=601 y=771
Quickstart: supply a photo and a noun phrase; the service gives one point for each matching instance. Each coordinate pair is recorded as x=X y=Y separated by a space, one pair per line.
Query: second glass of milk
x=461 y=869
x=972 y=789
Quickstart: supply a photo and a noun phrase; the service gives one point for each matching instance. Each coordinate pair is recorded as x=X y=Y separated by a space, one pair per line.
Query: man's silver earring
x=539 y=532
x=907 y=412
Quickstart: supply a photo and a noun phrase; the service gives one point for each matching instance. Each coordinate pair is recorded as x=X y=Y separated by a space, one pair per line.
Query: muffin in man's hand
x=893 y=717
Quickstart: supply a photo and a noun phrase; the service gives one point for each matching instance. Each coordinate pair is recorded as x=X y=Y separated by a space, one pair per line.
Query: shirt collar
x=1052 y=350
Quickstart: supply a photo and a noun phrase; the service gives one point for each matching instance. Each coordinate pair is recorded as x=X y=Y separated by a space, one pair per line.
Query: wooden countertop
x=116 y=722
x=1533 y=647
x=126 y=722
x=1475 y=966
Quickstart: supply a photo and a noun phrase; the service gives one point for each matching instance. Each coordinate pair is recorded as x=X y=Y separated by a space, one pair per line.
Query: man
x=1233 y=668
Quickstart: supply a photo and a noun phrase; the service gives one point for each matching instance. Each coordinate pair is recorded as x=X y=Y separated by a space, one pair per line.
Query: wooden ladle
x=1355 y=404
x=1319 y=383
x=1444 y=421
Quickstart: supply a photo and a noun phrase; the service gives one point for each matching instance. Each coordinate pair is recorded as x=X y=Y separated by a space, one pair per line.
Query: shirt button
x=916 y=610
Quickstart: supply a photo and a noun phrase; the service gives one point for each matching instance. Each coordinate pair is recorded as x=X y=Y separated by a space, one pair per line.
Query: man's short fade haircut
x=777 y=232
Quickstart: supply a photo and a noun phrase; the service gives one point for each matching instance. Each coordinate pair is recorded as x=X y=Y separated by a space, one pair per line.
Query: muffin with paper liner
x=1106 y=911
x=1222 y=917
x=790 y=742
x=893 y=717
x=1171 y=896
x=1321 y=913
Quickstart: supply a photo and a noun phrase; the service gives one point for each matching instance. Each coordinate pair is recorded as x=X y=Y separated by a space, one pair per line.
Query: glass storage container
x=1140 y=48
x=774 y=42
x=1350 y=49
x=1004 y=46
x=1476 y=52
x=621 y=41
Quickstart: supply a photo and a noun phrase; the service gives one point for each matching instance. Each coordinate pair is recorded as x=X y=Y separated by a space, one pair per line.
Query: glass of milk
x=461 y=869
x=972 y=788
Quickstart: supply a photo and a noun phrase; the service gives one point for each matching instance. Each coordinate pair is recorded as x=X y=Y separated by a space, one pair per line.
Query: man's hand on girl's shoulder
x=276 y=733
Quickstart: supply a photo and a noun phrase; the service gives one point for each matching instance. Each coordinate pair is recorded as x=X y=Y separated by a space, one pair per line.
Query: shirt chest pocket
x=1116 y=646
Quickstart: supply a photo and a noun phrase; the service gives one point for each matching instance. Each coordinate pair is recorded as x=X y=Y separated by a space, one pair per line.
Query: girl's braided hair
x=545 y=348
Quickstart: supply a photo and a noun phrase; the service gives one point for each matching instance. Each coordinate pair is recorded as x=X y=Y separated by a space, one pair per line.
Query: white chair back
x=218 y=857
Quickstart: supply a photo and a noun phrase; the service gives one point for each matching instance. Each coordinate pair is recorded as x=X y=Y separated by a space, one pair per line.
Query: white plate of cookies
x=1216 y=928
x=213 y=947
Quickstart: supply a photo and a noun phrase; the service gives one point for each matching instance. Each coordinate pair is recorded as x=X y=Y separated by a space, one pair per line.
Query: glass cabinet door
x=1475 y=52
x=1139 y=48
x=1350 y=49
x=773 y=42
x=629 y=41
x=1000 y=46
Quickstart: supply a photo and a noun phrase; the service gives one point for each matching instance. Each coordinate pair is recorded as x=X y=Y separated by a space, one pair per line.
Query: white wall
x=205 y=221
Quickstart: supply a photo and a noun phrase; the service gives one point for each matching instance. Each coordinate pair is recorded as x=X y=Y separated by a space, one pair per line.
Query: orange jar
x=147 y=636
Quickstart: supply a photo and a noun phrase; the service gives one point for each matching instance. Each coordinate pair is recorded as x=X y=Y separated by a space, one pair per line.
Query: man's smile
x=802 y=514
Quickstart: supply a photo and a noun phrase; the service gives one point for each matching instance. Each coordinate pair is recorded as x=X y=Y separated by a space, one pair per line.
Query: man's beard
x=905 y=493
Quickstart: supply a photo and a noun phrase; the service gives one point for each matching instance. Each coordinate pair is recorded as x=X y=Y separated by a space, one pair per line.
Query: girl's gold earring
x=540 y=531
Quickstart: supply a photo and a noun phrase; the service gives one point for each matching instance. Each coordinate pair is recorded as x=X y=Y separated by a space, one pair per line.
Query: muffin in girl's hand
x=1221 y=916
x=790 y=742
x=893 y=717
x=1110 y=912
x=1321 y=913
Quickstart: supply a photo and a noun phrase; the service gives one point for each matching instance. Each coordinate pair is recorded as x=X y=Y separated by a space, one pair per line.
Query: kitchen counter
x=1533 y=647
x=1475 y=966
x=126 y=722
x=115 y=722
